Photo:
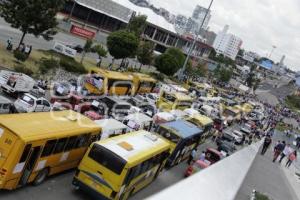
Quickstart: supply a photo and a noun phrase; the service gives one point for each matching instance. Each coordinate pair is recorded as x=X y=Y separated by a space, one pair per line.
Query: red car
x=211 y=156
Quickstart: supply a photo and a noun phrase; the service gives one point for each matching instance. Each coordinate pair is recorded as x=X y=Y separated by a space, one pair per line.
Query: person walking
x=287 y=150
x=278 y=150
x=291 y=158
x=192 y=156
x=266 y=145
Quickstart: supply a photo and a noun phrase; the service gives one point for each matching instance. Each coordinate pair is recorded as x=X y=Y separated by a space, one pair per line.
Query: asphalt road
x=59 y=187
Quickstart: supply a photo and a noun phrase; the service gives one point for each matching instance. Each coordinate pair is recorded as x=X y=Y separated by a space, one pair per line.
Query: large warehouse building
x=91 y=17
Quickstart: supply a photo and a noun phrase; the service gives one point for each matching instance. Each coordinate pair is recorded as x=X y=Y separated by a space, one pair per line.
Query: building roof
x=113 y=74
x=153 y=18
x=35 y=126
x=109 y=8
x=182 y=128
x=141 y=142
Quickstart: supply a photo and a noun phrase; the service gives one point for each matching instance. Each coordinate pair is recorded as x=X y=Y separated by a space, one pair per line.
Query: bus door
x=31 y=155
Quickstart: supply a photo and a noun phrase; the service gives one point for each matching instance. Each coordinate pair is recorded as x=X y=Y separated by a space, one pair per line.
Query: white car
x=246 y=128
x=29 y=103
x=238 y=136
x=152 y=98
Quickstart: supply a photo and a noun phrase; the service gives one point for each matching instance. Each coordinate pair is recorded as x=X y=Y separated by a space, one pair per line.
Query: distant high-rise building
x=199 y=15
x=227 y=44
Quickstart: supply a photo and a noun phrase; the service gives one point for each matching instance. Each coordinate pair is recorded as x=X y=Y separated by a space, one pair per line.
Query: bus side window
x=82 y=141
x=71 y=143
x=94 y=138
x=25 y=153
x=48 y=149
x=60 y=145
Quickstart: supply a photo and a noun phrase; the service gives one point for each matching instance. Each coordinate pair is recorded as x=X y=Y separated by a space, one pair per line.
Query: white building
x=227 y=44
x=199 y=15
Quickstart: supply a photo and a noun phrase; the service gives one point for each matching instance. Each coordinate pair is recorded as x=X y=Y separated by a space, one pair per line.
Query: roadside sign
x=76 y=30
x=63 y=49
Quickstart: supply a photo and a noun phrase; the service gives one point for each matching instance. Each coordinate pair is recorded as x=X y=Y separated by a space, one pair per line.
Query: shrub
x=71 y=65
x=23 y=69
x=48 y=64
x=20 y=56
x=158 y=76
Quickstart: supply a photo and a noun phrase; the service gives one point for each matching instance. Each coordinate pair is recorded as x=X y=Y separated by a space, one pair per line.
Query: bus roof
x=144 y=77
x=114 y=74
x=35 y=126
x=132 y=146
x=110 y=124
x=182 y=128
x=204 y=120
x=182 y=97
x=139 y=118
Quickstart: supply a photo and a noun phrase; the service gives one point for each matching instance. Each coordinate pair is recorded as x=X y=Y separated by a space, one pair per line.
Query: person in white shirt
x=202 y=156
x=287 y=151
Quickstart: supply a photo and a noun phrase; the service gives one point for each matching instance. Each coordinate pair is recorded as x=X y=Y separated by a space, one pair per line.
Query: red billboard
x=76 y=30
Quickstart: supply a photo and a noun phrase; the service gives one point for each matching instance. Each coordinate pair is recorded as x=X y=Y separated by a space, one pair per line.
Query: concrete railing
x=221 y=181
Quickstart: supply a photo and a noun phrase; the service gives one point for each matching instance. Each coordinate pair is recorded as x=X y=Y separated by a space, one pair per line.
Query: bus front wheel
x=42 y=175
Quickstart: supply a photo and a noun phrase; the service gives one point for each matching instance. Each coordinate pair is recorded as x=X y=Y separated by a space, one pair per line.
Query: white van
x=138 y=121
x=111 y=127
x=5 y=105
x=14 y=83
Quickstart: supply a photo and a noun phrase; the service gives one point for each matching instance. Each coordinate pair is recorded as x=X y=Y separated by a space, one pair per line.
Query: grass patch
x=259 y=196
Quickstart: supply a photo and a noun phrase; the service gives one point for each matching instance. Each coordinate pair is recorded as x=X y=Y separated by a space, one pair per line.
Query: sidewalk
x=293 y=179
x=268 y=178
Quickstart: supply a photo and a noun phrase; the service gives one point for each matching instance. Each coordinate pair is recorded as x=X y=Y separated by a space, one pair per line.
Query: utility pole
x=181 y=74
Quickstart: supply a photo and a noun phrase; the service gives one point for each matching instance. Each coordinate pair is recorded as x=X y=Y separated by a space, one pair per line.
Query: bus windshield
x=107 y=159
x=168 y=97
x=228 y=112
x=184 y=103
x=168 y=135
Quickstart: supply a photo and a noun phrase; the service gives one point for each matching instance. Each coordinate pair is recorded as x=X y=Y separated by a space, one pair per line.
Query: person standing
x=291 y=158
x=278 y=150
x=287 y=150
x=202 y=156
x=192 y=156
x=266 y=145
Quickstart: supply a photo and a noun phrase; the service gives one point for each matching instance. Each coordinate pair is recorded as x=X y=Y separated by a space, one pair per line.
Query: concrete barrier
x=221 y=181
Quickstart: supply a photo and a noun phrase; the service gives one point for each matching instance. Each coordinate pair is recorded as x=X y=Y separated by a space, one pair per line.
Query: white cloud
x=260 y=23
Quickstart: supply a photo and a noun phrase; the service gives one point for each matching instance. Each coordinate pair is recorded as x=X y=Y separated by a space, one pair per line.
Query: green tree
x=122 y=44
x=35 y=17
x=137 y=25
x=88 y=47
x=223 y=74
x=145 y=53
x=170 y=61
x=99 y=50
x=199 y=71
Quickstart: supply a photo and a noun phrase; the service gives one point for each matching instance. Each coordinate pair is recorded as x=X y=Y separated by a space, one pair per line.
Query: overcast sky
x=260 y=23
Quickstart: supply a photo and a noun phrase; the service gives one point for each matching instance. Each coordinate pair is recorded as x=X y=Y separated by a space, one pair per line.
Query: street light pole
x=181 y=74
x=272 y=51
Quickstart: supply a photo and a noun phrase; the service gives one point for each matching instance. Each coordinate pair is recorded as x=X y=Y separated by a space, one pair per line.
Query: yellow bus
x=143 y=83
x=36 y=145
x=183 y=136
x=174 y=101
x=231 y=114
x=101 y=81
x=118 y=167
x=203 y=122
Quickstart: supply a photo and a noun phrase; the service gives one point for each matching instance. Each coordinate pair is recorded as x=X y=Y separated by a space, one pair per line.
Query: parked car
x=246 y=128
x=29 y=103
x=227 y=147
x=211 y=156
x=238 y=136
x=5 y=105
x=76 y=47
x=225 y=137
